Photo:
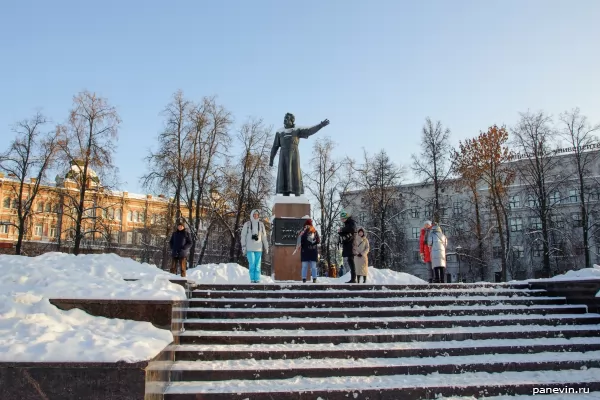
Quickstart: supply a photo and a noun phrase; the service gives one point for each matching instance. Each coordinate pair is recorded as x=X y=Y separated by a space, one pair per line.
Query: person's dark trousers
x=178 y=262
x=352 y=266
x=439 y=274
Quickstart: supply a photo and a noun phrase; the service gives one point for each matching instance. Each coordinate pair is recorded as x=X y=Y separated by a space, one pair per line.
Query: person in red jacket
x=424 y=250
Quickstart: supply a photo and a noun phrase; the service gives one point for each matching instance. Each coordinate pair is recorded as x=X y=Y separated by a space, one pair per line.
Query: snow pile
x=580 y=274
x=32 y=329
x=380 y=277
x=222 y=274
x=90 y=276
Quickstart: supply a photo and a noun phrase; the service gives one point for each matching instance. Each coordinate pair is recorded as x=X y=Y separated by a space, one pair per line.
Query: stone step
x=335 y=337
x=361 y=302
x=390 y=387
x=332 y=367
x=381 y=350
x=333 y=294
x=206 y=313
x=361 y=286
x=385 y=323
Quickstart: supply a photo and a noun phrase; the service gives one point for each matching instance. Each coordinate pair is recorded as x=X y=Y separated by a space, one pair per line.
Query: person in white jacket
x=438 y=242
x=253 y=238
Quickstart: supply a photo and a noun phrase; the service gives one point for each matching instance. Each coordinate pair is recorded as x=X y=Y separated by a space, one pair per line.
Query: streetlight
x=458 y=249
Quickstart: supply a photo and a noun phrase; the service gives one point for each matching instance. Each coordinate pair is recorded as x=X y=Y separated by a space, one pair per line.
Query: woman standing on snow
x=438 y=243
x=361 y=252
x=309 y=250
x=253 y=238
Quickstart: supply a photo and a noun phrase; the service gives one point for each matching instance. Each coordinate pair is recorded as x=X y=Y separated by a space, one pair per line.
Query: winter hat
x=308 y=222
x=427 y=222
x=344 y=214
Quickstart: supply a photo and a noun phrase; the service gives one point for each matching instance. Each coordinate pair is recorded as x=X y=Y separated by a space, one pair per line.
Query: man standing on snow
x=180 y=244
x=424 y=249
x=347 y=235
x=253 y=238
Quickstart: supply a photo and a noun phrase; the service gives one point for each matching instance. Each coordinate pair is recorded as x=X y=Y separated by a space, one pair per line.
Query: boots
x=314 y=280
x=303 y=280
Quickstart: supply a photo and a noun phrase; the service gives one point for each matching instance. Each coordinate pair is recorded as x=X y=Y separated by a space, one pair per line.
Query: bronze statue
x=289 y=176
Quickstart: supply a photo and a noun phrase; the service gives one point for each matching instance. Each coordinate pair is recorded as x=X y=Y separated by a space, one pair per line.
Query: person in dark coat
x=348 y=235
x=180 y=244
x=309 y=250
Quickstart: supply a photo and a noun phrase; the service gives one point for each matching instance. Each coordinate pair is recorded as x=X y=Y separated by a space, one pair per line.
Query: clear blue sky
x=375 y=68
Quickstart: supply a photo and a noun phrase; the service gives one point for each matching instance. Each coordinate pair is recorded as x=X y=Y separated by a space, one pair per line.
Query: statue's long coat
x=289 y=175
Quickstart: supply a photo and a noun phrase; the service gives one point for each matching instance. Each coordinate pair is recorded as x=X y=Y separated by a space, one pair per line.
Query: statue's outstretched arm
x=305 y=133
x=276 y=146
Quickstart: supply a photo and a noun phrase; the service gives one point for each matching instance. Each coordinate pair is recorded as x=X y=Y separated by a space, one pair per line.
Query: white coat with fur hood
x=254 y=227
x=438 y=243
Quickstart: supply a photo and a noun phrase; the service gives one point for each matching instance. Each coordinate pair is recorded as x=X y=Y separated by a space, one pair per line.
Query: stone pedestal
x=287 y=267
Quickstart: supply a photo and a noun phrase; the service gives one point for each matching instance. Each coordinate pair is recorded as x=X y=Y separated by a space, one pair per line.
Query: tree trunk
x=20 y=236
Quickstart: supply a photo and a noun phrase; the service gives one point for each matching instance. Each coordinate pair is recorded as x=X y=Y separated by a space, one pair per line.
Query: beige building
x=129 y=224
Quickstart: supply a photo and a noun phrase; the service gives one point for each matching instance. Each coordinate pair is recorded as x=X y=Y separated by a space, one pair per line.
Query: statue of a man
x=289 y=176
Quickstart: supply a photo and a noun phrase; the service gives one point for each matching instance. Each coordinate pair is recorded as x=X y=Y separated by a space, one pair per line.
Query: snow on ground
x=222 y=274
x=580 y=274
x=90 y=276
x=32 y=329
x=236 y=274
x=380 y=277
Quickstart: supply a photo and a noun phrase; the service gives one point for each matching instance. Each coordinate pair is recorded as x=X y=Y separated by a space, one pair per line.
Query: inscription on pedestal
x=285 y=230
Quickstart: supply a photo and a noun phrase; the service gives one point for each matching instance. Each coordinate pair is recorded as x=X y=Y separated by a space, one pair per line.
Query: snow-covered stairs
x=310 y=341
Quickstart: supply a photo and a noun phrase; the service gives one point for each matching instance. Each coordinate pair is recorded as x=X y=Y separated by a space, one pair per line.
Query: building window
x=573 y=196
x=428 y=210
x=153 y=219
x=14 y=204
x=3 y=228
x=53 y=231
x=6 y=202
x=114 y=237
x=104 y=213
x=130 y=216
x=416 y=255
x=416 y=232
x=414 y=212
x=516 y=224
x=555 y=198
x=577 y=222
x=40 y=207
x=142 y=217
x=38 y=229
x=518 y=251
x=536 y=223
x=594 y=194
x=55 y=208
x=138 y=238
x=497 y=252
x=557 y=221
x=48 y=208
x=457 y=208
x=532 y=201
x=514 y=201
x=129 y=238
x=538 y=249
x=118 y=215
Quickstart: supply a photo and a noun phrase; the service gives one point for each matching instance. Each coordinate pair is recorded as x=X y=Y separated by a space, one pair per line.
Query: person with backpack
x=424 y=250
x=253 y=238
x=347 y=235
x=438 y=243
x=309 y=250
x=180 y=244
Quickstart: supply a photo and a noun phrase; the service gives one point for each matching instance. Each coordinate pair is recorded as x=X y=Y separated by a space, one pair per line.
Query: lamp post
x=458 y=249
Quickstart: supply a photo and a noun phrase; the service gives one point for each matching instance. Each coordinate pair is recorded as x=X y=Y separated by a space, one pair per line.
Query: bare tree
x=87 y=145
x=380 y=179
x=580 y=134
x=246 y=183
x=540 y=171
x=31 y=154
x=209 y=139
x=167 y=164
x=433 y=164
x=327 y=179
